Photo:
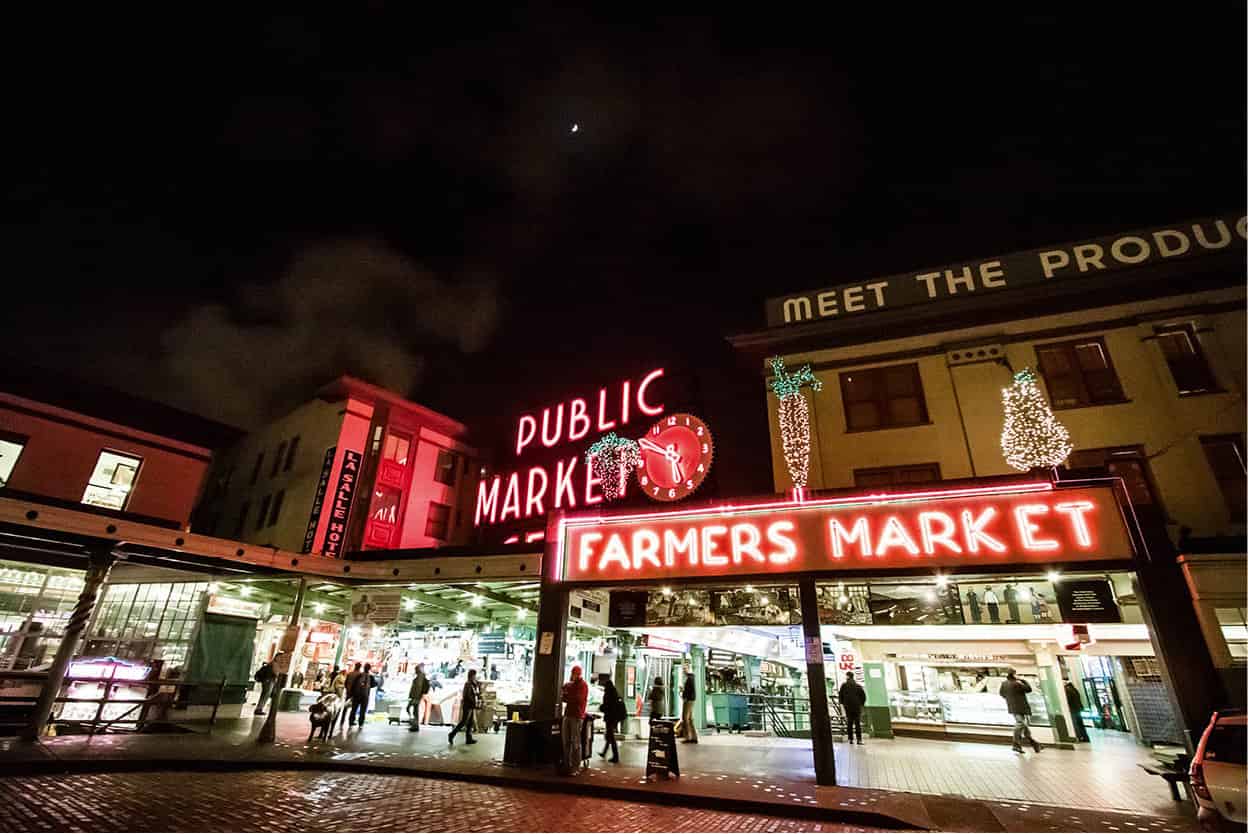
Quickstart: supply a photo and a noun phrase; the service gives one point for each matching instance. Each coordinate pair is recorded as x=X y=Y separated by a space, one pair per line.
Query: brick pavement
x=310 y=801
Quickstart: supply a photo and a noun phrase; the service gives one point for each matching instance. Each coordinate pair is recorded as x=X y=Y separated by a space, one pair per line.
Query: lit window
x=444 y=472
x=11 y=446
x=397 y=447
x=111 y=482
x=1079 y=373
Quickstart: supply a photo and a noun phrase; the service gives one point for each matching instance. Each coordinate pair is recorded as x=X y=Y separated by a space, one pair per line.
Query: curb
x=874 y=819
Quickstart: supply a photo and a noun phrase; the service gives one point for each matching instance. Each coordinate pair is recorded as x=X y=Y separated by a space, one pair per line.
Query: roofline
x=346 y=385
x=102 y=426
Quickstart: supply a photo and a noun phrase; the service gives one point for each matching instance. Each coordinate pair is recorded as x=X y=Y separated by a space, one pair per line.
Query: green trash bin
x=289 y=700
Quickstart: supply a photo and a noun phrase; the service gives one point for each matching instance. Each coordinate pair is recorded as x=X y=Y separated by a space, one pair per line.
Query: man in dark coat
x=614 y=711
x=1076 y=711
x=415 y=695
x=360 y=689
x=1014 y=690
x=264 y=676
x=467 y=706
x=853 y=698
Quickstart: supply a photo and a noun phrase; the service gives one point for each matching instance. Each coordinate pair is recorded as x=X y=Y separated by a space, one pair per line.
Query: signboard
x=231 y=607
x=590 y=607
x=547 y=643
x=318 y=500
x=666 y=644
x=814 y=651
x=375 y=607
x=1087 y=601
x=628 y=609
x=1085 y=259
x=661 y=756
x=340 y=504
x=1031 y=523
x=289 y=638
x=492 y=642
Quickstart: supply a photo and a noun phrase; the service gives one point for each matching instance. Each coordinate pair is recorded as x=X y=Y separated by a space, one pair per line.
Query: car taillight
x=1198 y=781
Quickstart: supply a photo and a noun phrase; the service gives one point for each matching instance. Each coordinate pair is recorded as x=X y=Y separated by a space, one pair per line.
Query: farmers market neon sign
x=1020 y=523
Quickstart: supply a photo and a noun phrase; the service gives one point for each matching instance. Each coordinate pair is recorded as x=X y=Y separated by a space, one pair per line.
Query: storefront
x=930 y=597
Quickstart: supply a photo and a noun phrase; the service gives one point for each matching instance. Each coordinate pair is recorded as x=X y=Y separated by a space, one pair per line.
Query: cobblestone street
x=308 y=801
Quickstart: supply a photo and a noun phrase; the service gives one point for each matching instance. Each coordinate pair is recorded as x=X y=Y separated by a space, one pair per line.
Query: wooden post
x=100 y=562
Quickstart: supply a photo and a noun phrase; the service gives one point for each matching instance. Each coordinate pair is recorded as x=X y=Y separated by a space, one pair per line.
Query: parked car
x=1219 y=776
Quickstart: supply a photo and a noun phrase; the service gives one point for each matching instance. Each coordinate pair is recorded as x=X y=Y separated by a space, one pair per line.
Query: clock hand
x=645 y=443
x=676 y=472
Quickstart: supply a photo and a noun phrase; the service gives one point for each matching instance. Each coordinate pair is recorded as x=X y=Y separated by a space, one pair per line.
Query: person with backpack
x=360 y=689
x=852 y=697
x=468 y=701
x=265 y=677
x=688 y=698
x=420 y=688
x=614 y=713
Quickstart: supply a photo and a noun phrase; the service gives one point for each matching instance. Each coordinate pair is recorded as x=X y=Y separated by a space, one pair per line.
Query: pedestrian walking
x=1076 y=711
x=614 y=712
x=852 y=697
x=420 y=688
x=360 y=689
x=468 y=701
x=264 y=676
x=657 y=699
x=994 y=609
x=575 y=700
x=1014 y=690
x=688 y=700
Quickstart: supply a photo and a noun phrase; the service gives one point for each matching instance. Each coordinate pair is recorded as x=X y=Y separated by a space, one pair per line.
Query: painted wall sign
x=527 y=491
x=1085 y=259
x=340 y=504
x=318 y=500
x=970 y=527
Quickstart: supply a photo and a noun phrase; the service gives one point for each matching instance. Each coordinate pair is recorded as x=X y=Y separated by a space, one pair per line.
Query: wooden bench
x=1174 y=772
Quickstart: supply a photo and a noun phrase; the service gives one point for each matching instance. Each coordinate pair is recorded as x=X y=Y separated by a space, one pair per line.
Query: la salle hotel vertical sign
x=340 y=505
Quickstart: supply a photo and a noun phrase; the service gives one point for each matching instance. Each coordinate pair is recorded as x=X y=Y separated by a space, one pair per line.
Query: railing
x=164 y=694
x=788 y=716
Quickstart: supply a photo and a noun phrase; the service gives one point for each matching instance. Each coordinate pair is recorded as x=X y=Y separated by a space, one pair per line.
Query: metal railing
x=788 y=716
x=163 y=694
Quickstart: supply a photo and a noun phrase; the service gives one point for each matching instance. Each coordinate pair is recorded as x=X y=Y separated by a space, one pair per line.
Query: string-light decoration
x=1031 y=437
x=794 y=417
x=613 y=459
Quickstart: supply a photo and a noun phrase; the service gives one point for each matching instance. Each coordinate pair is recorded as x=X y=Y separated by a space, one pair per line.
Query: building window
x=444 y=472
x=277 y=506
x=1079 y=373
x=112 y=480
x=883 y=398
x=242 y=519
x=386 y=504
x=397 y=448
x=884 y=476
x=1226 y=458
x=264 y=510
x=439 y=519
x=1188 y=366
x=277 y=459
x=290 y=454
x=255 y=473
x=1126 y=462
x=11 y=446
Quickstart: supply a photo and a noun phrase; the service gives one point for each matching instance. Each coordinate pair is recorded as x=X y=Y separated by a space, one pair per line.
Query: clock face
x=675 y=456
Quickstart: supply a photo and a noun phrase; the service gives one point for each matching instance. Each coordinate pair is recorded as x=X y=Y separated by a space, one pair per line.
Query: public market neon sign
x=533 y=491
x=1020 y=523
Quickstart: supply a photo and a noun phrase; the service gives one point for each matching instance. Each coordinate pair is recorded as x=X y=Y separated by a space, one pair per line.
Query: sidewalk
x=724 y=772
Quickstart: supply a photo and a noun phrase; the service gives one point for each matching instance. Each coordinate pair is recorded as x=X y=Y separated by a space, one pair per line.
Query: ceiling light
x=749 y=589
x=409 y=604
x=763 y=600
x=213 y=587
x=1053 y=576
x=244 y=591
x=476 y=601
x=667 y=592
x=318 y=607
x=942 y=581
x=461 y=617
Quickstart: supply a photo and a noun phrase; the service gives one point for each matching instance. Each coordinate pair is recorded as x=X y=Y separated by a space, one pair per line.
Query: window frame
x=264 y=511
x=1085 y=393
x=1128 y=452
x=895 y=471
x=454 y=467
x=446 y=522
x=277 y=459
x=290 y=453
x=134 y=479
x=882 y=399
x=1236 y=510
x=240 y=526
x=275 y=510
x=255 y=473
x=16 y=439
x=1199 y=356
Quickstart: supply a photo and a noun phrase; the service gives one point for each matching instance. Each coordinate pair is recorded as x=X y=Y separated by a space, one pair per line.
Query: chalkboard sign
x=661 y=757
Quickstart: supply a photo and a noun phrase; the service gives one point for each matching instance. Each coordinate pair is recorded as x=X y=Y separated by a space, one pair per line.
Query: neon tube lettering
x=585 y=550
x=646 y=548
x=615 y=551
x=578 y=416
x=603 y=422
x=944 y=536
x=973 y=529
x=563 y=483
x=895 y=535
x=709 y=556
x=535 y=496
x=858 y=533
x=787 y=550
x=590 y=483
x=624 y=403
x=552 y=441
x=745 y=540
x=645 y=407
x=1027 y=528
x=487 y=502
x=673 y=544
x=1075 y=510
x=523 y=440
x=511 y=501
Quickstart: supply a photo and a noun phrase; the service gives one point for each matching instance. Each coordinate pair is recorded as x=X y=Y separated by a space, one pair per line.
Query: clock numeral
x=705 y=448
x=686 y=421
x=688 y=484
x=656 y=490
x=671 y=421
x=644 y=480
x=655 y=430
x=699 y=432
x=701 y=468
x=671 y=493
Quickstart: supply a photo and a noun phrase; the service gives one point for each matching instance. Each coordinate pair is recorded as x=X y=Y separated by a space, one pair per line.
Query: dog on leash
x=324 y=715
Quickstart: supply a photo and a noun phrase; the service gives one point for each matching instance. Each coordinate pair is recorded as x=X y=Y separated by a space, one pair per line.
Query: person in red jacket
x=575 y=700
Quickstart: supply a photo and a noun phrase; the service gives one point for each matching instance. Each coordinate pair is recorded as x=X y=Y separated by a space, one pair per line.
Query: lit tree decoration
x=613 y=460
x=794 y=417
x=1031 y=438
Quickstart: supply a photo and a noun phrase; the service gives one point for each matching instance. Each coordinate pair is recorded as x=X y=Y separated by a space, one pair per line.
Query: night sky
x=224 y=214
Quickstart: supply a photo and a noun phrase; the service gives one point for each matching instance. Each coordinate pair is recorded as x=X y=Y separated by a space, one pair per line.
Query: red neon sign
x=1027 y=523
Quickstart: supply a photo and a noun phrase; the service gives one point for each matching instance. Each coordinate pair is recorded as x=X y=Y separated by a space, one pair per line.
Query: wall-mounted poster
x=927 y=604
x=727 y=606
x=627 y=609
x=843 y=604
x=1087 y=601
x=1013 y=602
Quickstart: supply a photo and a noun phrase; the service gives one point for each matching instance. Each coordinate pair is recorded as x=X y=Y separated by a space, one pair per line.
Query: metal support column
x=552 y=630
x=100 y=562
x=820 y=722
x=268 y=733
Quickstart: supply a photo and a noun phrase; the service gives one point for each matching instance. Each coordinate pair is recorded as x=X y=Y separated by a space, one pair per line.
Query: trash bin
x=520 y=747
x=289 y=700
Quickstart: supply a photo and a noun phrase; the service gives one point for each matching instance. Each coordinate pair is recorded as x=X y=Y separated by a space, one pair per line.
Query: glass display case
x=915 y=706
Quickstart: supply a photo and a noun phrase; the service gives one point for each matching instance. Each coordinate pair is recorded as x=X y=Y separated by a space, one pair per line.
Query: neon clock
x=675 y=457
